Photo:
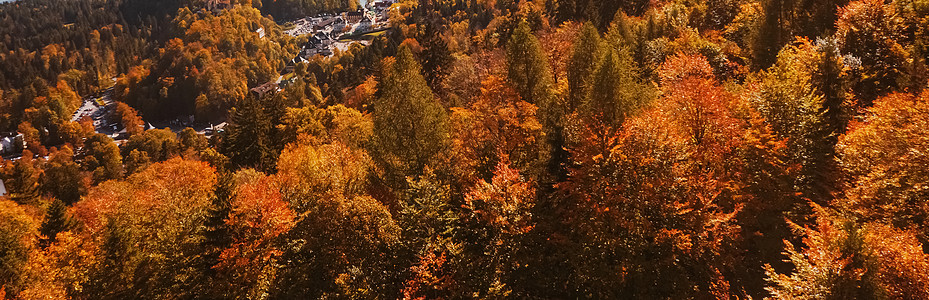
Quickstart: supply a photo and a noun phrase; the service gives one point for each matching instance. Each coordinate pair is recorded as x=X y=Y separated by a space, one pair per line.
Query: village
x=328 y=31
x=325 y=33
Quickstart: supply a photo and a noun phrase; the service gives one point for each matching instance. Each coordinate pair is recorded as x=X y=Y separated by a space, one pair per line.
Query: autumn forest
x=490 y=149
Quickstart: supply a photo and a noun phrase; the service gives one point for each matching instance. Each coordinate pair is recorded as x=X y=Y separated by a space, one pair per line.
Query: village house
x=324 y=50
x=308 y=51
x=325 y=22
x=11 y=143
x=338 y=25
x=353 y=17
x=214 y=129
x=321 y=38
x=218 y=5
x=313 y=49
x=363 y=26
x=265 y=89
x=379 y=5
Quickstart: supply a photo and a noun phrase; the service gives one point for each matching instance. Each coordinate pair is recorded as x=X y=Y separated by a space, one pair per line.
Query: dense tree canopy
x=722 y=149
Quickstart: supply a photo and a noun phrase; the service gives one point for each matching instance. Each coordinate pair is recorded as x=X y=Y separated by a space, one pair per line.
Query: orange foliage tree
x=671 y=180
x=18 y=232
x=497 y=124
x=883 y=159
x=258 y=215
x=129 y=118
x=501 y=209
x=843 y=259
x=341 y=236
x=147 y=228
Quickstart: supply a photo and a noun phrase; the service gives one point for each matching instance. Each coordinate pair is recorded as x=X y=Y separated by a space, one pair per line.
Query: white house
x=12 y=143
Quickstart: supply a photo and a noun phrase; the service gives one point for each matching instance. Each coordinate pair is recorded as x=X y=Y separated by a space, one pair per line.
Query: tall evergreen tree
x=531 y=76
x=528 y=67
x=436 y=56
x=585 y=58
x=216 y=237
x=773 y=33
x=246 y=141
x=56 y=220
x=616 y=91
x=410 y=125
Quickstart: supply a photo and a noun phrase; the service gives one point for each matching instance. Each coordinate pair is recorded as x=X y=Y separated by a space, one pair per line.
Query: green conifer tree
x=56 y=220
x=616 y=90
x=410 y=125
x=246 y=141
x=583 y=64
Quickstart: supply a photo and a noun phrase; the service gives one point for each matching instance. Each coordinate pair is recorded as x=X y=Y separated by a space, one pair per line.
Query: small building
x=353 y=17
x=381 y=5
x=265 y=89
x=3 y=191
x=121 y=135
x=324 y=50
x=11 y=143
x=260 y=32
x=215 y=129
x=321 y=38
x=218 y=5
x=363 y=26
x=323 y=23
x=338 y=25
x=307 y=53
x=318 y=43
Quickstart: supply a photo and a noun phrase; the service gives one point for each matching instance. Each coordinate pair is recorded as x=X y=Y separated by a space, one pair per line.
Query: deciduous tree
x=843 y=259
x=502 y=209
x=882 y=158
x=129 y=119
x=148 y=228
x=499 y=123
x=100 y=156
x=63 y=178
x=22 y=178
x=18 y=232
x=876 y=26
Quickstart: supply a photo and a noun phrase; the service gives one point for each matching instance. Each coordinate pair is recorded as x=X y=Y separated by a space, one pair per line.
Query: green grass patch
x=376 y=34
x=363 y=37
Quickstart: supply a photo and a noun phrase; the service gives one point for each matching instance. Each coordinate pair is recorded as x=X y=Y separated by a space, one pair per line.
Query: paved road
x=99 y=114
